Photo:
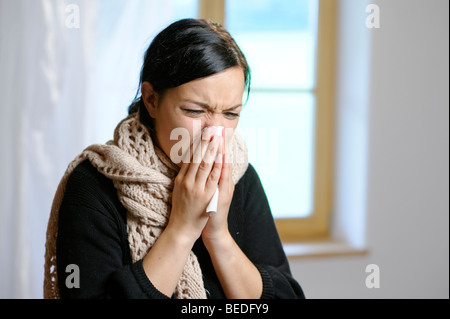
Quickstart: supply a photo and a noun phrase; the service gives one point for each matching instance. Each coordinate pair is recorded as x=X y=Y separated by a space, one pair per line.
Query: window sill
x=322 y=248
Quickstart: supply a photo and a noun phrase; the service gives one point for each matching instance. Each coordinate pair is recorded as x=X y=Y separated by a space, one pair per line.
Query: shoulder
x=249 y=199
x=250 y=183
x=88 y=188
x=85 y=172
x=250 y=176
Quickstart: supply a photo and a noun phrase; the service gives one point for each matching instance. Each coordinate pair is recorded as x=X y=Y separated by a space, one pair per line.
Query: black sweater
x=92 y=235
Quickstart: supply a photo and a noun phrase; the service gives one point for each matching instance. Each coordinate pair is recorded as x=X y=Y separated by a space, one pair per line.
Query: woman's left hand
x=217 y=225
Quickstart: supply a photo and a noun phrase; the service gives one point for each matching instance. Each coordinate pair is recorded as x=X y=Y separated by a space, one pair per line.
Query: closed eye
x=193 y=112
x=231 y=115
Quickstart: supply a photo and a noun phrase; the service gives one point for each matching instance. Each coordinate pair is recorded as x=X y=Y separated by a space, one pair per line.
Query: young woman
x=129 y=219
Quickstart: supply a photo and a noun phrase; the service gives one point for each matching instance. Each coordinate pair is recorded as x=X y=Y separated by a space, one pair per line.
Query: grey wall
x=392 y=157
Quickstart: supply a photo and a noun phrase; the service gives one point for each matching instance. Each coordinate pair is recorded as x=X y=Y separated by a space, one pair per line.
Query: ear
x=150 y=98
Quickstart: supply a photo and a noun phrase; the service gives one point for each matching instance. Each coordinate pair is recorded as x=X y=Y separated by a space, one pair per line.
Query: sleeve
x=262 y=244
x=92 y=256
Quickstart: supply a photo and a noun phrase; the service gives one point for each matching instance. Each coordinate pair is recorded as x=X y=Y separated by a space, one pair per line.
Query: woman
x=128 y=219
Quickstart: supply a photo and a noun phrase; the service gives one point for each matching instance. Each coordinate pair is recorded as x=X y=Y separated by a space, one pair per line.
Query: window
x=288 y=120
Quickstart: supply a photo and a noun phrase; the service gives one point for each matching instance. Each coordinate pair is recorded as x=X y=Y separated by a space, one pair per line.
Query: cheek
x=233 y=124
x=172 y=124
x=164 y=125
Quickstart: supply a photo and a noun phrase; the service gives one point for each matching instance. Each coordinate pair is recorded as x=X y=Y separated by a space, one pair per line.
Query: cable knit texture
x=143 y=177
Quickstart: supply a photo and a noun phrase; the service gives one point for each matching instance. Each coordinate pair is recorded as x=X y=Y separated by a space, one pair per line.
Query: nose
x=214 y=120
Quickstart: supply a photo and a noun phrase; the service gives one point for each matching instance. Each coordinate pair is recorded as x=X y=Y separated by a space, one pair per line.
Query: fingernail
x=209 y=132
x=205 y=134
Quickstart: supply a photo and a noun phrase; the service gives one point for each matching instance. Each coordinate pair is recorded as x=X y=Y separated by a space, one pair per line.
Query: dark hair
x=186 y=50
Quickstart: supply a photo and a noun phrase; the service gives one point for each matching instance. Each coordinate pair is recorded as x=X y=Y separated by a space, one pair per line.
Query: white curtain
x=68 y=71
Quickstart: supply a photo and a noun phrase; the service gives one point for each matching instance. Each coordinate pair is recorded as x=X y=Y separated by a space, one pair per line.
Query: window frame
x=317 y=225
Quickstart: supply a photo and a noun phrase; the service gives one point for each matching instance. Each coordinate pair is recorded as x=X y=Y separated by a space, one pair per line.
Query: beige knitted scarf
x=143 y=176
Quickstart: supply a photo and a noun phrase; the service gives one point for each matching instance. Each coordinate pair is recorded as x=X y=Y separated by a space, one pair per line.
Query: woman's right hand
x=195 y=185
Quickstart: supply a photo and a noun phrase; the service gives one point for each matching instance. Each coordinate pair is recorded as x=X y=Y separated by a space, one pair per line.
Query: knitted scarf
x=143 y=177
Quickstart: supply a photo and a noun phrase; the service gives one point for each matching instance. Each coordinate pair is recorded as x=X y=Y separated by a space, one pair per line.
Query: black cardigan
x=92 y=235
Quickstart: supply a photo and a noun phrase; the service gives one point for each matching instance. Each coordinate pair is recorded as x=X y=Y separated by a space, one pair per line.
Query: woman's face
x=215 y=100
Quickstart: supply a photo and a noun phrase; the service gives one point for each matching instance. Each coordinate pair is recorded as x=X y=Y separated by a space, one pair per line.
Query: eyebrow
x=206 y=106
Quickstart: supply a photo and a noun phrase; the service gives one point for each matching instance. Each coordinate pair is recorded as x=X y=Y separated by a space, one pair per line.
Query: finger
x=225 y=177
x=228 y=134
x=188 y=156
x=227 y=149
x=198 y=153
x=204 y=168
x=214 y=176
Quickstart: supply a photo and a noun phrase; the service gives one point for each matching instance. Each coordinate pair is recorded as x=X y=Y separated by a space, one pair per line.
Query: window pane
x=279 y=131
x=278 y=38
x=279 y=41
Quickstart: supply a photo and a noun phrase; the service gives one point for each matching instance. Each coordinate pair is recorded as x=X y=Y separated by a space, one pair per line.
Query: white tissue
x=219 y=130
x=212 y=206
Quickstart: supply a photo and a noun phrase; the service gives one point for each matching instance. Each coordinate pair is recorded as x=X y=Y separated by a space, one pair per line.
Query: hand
x=195 y=185
x=217 y=225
